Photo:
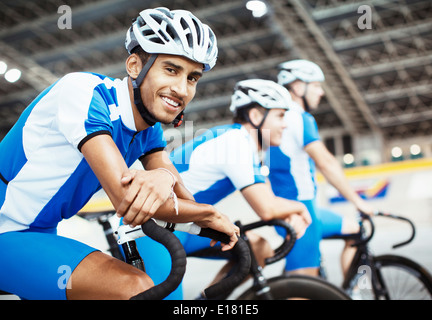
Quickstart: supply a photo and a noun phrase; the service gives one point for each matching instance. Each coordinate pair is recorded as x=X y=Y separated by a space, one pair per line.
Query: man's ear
x=133 y=65
x=298 y=88
x=255 y=116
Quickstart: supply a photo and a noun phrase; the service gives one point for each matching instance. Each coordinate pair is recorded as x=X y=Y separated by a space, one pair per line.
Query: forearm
x=188 y=211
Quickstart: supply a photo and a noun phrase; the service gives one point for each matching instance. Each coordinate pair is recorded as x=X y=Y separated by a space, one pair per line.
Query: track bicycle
x=152 y=228
x=280 y=287
x=383 y=277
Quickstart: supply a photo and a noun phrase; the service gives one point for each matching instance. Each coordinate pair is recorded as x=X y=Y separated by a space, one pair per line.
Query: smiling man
x=82 y=134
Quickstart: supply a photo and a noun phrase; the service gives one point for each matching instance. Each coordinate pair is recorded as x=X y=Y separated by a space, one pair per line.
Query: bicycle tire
x=403 y=279
x=298 y=287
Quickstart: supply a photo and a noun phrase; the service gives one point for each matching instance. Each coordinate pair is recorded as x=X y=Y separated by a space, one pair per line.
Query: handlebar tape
x=178 y=258
x=287 y=244
x=241 y=252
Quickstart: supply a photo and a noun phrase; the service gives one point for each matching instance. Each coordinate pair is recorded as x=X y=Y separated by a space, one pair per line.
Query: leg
x=100 y=276
x=261 y=249
x=45 y=266
x=335 y=224
x=304 y=258
x=349 y=226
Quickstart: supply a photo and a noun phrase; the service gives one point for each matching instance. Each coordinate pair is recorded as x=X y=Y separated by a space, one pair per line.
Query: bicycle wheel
x=401 y=278
x=298 y=287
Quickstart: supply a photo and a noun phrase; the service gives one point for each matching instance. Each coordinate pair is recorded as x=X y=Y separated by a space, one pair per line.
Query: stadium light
x=12 y=75
x=258 y=8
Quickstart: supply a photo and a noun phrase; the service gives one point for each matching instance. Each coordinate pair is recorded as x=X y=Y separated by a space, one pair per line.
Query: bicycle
x=383 y=277
x=276 y=288
x=126 y=240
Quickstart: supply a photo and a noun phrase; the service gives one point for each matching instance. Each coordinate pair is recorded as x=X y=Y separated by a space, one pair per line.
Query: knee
x=260 y=246
x=133 y=284
x=350 y=226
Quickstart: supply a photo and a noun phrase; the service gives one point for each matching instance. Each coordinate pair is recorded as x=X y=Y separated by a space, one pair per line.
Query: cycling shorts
x=37 y=265
x=331 y=222
x=306 y=250
x=157 y=260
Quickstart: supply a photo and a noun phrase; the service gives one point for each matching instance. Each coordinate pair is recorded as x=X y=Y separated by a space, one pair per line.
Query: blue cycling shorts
x=37 y=265
x=306 y=250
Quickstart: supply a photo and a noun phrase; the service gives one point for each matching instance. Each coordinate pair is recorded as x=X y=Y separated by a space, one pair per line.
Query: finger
x=229 y=246
x=134 y=209
x=128 y=177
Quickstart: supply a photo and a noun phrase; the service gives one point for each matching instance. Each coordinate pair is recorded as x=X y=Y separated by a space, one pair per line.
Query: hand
x=146 y=192
x=364 y=207
x=299 y=223
x=223 y=224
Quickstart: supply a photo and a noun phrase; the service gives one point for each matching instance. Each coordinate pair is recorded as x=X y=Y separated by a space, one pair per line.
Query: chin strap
x=258 y=127
x=145 y=114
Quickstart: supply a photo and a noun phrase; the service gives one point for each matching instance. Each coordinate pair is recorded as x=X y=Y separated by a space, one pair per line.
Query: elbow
x=266 y=214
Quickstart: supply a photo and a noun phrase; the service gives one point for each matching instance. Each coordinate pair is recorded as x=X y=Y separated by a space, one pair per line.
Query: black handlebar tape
x=178 y=258
x=215 y=235
x=287 y=244
x=241 y=252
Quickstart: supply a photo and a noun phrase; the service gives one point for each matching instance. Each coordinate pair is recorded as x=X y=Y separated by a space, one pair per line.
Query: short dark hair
x=144 y=56
x=242 y=114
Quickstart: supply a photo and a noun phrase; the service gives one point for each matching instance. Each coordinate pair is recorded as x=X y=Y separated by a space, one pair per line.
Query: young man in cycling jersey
x=227 y=158
x=292 y=168
x=82 y=133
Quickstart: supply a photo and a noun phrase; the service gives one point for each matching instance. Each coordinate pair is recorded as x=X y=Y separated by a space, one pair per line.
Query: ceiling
x=378 y=80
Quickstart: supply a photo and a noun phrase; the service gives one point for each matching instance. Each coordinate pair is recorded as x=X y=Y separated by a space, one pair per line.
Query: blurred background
x=376 y=56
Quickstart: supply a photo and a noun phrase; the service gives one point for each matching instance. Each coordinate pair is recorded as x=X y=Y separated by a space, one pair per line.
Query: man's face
x=169 y=86
x=273 y=127
x=314 y=93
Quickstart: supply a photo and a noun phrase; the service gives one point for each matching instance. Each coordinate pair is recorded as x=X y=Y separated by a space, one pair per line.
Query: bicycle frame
x=363 y=259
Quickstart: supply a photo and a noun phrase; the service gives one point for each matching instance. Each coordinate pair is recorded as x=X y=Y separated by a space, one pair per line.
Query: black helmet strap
x=145 y=114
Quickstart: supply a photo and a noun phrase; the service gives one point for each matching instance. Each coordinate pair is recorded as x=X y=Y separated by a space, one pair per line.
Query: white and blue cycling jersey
x=212 y=166
x=292 y=171
x=44 y=176
x=218 y=162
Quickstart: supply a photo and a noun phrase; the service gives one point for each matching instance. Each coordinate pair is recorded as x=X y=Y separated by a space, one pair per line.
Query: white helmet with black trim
x=303 y=70
x=174 y=32
x=268 y=94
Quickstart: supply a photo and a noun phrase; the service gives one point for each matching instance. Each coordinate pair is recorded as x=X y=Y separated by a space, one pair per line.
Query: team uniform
x=45 y=178
x=212 y=166
x=292 y=176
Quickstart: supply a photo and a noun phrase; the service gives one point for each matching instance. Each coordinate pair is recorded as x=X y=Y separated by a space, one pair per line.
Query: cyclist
x=81 y=134
x=227 y=158
x=292 y=168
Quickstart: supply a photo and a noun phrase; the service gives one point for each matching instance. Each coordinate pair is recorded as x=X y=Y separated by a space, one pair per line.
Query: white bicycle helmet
x=266 y=93
x=303 y=70
x=176 y=32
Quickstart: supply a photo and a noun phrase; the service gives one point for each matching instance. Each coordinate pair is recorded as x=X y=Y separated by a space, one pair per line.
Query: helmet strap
x=258 y=127
x=136 y=83
x=305 y=103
